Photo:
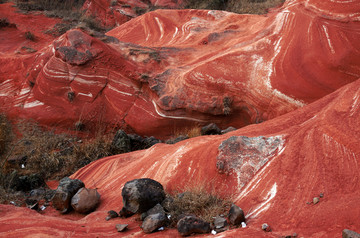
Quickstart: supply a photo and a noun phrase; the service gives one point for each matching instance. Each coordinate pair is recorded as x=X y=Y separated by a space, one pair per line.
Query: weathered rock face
x=182 y=73
x=65 y=191
x=245 y=156
x=190 y=224
x=139 y=195
x=85 y=200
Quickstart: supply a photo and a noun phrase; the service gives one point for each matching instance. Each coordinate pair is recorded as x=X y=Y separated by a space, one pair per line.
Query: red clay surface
x=297 y=67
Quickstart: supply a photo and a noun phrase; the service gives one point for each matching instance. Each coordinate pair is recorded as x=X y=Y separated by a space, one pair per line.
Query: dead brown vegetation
x=199 y=202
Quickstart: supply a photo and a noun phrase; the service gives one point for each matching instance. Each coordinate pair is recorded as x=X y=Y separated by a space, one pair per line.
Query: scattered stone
x=71 y=96
x=213 y=232
x=139 y=195
x=65 y=191
x=220 y=224
x=321 y=195
x=121 y=143
x=266 y=227
x=236 y=215
x=294 y=234
x=308 y=203
x=111 y=214
x=157 y=209
x=121 y=227
x=316 y=200
x=85 y=200
x=153 y=222
x=243 y=224
x=211 y=129
x=227 y=130
x=346 y=233
x=191 y=224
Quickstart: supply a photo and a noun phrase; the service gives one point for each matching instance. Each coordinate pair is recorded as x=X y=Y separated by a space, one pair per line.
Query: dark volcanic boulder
x=121 y=143
x=154 y=222
x=211 y=129
x=191 y=224
x=65 y=191
x=236 y=215
x=139 y=195
x=27 y=182
x=85 y=200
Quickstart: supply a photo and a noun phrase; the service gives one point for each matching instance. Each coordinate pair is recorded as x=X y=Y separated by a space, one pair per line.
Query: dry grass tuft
x=52 y=155
x=189 y=132
x=199 y=202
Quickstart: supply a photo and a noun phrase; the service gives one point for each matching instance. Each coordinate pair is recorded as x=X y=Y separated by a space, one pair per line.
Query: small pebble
x=321 y=195
x=121 y=227
x=316 y=200
x=213 y=232
x=243 y=224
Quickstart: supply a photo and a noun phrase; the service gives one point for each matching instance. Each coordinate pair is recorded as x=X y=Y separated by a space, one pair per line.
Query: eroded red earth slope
x=297 y=68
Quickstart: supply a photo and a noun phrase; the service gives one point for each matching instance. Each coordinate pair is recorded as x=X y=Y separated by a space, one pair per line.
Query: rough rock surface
x=244 y=155
x=346 y=233
x=65 y=191
x=182 y=73
x=155 y=210
x=190 y=224
x=153 y=222
x=140 y=195
x=85 y=200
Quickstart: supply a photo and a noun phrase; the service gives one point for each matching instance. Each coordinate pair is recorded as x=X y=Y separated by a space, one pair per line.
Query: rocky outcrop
x=244 y=155
x=153 y=222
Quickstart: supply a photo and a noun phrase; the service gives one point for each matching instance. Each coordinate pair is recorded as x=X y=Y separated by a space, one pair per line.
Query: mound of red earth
x=177 y=68
x=296 y=68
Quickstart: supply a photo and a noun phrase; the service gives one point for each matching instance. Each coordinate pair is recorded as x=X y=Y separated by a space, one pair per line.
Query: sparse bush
x=199 y=202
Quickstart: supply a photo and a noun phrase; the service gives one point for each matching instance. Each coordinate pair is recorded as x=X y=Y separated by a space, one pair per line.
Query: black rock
x=150 y=141
x=236 y=215
x=139 y=195
x=65 y=191
x=191 y=224
x=111 y=214
x=211 y=129
x=121 y=143
x=157 y=209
